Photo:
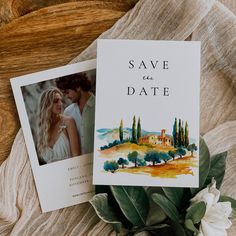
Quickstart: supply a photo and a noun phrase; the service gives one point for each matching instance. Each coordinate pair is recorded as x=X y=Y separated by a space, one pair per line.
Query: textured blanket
x=203 y=20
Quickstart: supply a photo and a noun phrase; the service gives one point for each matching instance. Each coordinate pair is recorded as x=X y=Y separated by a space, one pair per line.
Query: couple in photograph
x=69 y=133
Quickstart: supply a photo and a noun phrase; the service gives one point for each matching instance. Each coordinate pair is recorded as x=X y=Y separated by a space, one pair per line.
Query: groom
x=77 y=88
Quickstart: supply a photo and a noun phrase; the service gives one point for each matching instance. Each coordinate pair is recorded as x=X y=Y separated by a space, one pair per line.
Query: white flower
x=215 y=221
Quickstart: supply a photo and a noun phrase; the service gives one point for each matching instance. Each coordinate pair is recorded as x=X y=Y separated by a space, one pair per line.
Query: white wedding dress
x=59 y=151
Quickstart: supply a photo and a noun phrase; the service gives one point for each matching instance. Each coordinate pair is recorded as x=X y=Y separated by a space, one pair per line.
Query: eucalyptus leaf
x=167 y=206
x=204 y=165
x=190 y=226
x=105 y=211
x=175 y=195
x=217 y=169
x=156 y=228
x=196 y=212
x=155 y=215
x=133 y=202
x=160 y=232
x=112 y=202
x=228 y=199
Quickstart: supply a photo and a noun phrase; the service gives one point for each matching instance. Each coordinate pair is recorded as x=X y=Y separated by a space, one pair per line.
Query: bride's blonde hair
x=45 y=117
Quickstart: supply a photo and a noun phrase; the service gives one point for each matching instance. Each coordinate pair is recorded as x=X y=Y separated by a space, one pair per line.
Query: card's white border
x=101 y=177
x=39 y=172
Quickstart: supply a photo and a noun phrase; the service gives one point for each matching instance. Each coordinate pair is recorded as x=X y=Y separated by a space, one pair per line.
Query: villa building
x=163 y=139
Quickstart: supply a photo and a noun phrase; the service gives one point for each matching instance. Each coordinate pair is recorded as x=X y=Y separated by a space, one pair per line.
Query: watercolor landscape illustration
x=160 y=153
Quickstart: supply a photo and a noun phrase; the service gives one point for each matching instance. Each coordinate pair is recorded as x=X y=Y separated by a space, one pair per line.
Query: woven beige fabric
x=230 y=4
x=208 y=21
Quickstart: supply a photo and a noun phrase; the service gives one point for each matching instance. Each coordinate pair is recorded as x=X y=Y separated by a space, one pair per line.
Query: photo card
x=56 y=108
x=147 y=113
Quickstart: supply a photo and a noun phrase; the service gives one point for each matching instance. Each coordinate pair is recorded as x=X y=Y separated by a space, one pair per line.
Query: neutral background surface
x=53 y=35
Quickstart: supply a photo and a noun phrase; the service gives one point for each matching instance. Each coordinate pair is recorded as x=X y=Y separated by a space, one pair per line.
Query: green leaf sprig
x=161 y=210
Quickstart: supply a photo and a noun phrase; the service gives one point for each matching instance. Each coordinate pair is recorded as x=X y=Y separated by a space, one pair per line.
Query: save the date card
x=147 y=113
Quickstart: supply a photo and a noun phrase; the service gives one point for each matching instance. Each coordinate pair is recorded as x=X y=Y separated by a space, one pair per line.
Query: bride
x=57 y=137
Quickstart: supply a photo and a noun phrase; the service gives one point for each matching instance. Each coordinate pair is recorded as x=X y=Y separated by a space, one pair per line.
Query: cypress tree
x=134 y=135
x=182 y=135
x=121 y=133
x=179 y=134
x=138 y=130
x=186 y=133
x=175 y=133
